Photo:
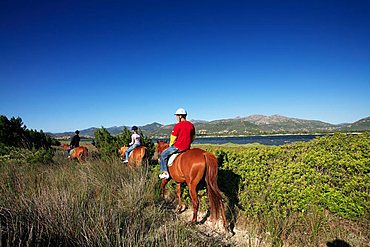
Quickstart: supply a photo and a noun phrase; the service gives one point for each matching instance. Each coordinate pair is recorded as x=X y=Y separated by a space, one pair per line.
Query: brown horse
x=189 y=167
x=80 y=153
x=136 y=157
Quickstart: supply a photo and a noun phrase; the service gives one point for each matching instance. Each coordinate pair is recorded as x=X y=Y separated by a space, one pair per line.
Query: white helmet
x=181 y=111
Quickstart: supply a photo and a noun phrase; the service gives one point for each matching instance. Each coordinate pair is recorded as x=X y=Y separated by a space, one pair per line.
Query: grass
x=107 y=204
x=93 y=204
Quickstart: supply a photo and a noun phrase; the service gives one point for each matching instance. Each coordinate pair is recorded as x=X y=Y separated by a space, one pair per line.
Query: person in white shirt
x=135 y=142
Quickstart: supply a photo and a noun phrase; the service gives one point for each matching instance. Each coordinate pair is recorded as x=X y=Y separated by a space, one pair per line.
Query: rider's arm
x=132 y=140
x=172 y=139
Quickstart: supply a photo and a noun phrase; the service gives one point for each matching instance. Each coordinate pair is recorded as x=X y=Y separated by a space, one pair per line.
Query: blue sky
x=67 y=65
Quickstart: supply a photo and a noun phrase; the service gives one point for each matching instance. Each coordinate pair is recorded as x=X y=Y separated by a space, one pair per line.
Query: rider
x=182 y=136
x=75 y=142
x=135 y=142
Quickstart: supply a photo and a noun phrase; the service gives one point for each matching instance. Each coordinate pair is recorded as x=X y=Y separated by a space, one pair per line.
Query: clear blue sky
x=67 y=65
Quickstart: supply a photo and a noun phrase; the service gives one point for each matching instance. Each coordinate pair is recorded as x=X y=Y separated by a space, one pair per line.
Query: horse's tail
x=144 y=155
x=147 y=156
x=85 y=153
x=214 y=195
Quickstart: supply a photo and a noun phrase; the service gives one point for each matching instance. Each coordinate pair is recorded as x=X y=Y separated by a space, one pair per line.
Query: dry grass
x=90 y=204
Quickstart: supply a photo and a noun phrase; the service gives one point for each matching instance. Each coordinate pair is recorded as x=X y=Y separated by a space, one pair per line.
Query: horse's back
x=81 y=150
x=188 y=165
x=138 y=155
x=141 y=149
x=193 y=154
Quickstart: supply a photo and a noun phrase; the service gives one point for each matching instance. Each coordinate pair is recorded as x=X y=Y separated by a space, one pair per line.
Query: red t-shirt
x=184 y=131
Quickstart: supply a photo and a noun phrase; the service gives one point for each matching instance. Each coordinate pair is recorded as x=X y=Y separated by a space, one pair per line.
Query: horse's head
x=65 y=146
x=161 y=146
x=122 y=151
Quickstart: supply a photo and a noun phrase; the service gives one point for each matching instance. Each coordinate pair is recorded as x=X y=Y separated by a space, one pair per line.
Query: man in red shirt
x=182 y=136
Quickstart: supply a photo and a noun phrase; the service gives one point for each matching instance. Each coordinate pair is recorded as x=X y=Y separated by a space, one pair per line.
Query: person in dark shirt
x=75 y=142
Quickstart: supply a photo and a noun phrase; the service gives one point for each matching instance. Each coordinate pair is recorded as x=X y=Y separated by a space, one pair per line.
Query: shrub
x=330 y=172
x=108 y=145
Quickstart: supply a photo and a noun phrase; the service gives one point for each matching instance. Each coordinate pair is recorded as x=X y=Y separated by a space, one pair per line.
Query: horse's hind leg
x=180 y=207
x=79 y=158
x=194 y=201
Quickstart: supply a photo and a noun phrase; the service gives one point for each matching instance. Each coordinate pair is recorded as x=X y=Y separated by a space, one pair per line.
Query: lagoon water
x=274 y=140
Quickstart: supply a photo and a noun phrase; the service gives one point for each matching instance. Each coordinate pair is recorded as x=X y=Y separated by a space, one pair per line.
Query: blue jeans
x=129 y=150
x=165 y=155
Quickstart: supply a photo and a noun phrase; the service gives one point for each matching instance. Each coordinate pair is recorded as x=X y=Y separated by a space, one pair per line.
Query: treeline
x=13 y=133
x=21 y=145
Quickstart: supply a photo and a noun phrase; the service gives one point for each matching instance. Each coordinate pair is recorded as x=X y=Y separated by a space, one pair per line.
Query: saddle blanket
x=172 y=159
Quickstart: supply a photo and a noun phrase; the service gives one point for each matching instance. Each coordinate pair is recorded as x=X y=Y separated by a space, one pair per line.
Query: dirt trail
x=238 y=237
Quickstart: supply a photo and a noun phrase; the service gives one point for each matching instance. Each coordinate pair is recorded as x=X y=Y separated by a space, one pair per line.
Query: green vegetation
x=328 y=175
x=328 y=172
x=108 y=144
x=23 y=145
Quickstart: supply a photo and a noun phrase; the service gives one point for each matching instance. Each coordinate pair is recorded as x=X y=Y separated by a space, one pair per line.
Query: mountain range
x=250 y=125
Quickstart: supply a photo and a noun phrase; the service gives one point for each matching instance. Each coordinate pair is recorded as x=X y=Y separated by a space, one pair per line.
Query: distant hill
x=281 y=124
x=250 y=125
x=360 y=125
x=255 y=124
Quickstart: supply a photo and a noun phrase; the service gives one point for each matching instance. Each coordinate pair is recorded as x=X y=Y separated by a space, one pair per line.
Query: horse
x=189 y=167
x=80 y=153
x=136 y=156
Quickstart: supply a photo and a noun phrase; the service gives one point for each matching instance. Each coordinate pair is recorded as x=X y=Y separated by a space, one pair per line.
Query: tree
x=14 y=133
x=106 y=143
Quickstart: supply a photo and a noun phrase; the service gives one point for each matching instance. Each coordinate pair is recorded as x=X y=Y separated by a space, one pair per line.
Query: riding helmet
x=181 y=111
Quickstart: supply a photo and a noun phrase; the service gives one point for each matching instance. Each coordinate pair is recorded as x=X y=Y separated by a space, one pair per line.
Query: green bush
x=26 y=156
x=108 y=145
x=330 y=172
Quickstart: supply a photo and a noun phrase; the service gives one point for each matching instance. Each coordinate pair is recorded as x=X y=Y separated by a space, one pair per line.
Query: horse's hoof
x=180 y=209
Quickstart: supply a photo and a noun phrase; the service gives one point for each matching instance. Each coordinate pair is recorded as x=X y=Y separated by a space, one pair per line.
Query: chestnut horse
x=189 y=167
x=79 y=153
x=136 y=156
